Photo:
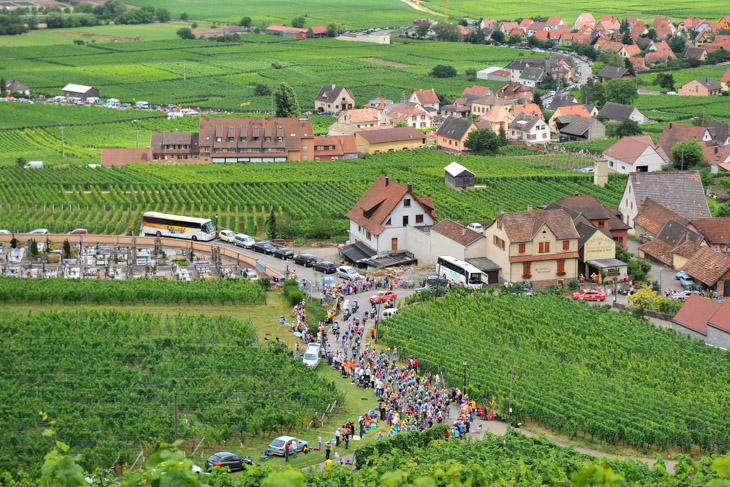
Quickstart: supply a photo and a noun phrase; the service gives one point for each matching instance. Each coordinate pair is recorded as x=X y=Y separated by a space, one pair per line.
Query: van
x=388 y=313
x=311 y=356
x=34 y=165
x=142 y=104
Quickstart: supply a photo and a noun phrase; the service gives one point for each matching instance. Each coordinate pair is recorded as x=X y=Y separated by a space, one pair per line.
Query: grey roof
x=331 y=92
x=612 y=72
x=574 y=125
x=617 y=111
x=558 y=101
x=545 y=63
x=484 y=264
x=557 y=206
x=455 y=128
x=524 y=122
x=720 y=131
x=675 y=234
x=601 y=263
x=585 y=232
x=681 y=192
x=709 y=83
x=533 y=74
x=15 y=85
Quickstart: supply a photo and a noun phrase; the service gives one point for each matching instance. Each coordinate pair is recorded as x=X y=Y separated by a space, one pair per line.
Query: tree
x=298 y=22
x=66 y=249
x=84 y=8
x=32 y=22
x=586 y=50
x=185 y=33
x=503 y=136
x=483 y=142
x=498 y=36
x=194 y=25
x=20 y=161
x=621 y=91
x=184 y=16
x=611 y=58
x=594 y=93
x=665 y=81
x=678 y=44
x=443 y=71
x=286 y=101
x=334 y=29
x=723 y=211
x=3 y=87
x=162 y=15
x=422 y=29
x=34 y=252
x=245 y=21
x=463 y=22
x=401 y=123
x=271 y=224
x=627 y=128
x=261 y=90
x=652 y=34
x=687 y=153
x=471 y=74
x=447 y=32
x=626 y=39
x=55 y=21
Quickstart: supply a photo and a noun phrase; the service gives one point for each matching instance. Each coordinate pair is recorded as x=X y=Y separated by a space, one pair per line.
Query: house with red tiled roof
x=515 y=91
x=639 y=63
x=603 y=217
x=725 y=81
x=718 y=157
x=710 y=269
x=631 y=154
x=652 y=217
x=557 y=23
x=671 y=238
x=577 y=110
x=629 y=50
x=716 y=232
x=335 y=148
x=582 y=19
x=537 y=246
x=541 y=35
x=388 y=140
x=529 y=109
x=704 y=319
x=488 y=24
x=380 y=218
x=362 y=118
x=660 y=53
x=508 y=27
x=411 y=113
x=477 y=90
x=674 y=133
x=428 y=99
x=317 y=31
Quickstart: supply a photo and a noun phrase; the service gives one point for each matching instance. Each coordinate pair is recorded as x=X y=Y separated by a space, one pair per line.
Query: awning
x=604 y=263
x=391 y=260
x=357 y=252
x=484 y=264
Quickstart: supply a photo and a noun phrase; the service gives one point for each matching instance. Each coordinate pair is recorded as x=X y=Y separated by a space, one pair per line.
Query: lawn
x=684 y=76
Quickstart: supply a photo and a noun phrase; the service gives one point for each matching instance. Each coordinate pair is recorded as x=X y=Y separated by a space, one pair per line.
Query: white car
x=5 y=232
x=39 y=231
x=227 y=235
x=243 y=240
x=311 y=356
x=477 y=227
x=347 y=272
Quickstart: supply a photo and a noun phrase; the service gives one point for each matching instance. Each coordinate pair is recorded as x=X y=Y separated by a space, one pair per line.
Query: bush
x=443 y=71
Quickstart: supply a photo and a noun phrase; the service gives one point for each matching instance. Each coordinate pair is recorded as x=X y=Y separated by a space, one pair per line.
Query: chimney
x=716 y=149
x=670 y=124
x=410 y=187
x=387 y=180
x=529 y=207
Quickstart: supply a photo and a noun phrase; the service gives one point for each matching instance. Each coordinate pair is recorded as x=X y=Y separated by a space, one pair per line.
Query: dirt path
x=416 y=4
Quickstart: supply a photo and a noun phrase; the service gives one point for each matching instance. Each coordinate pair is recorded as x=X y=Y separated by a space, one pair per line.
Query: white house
x=532 y=130
x=632 y=154
x=381 y=217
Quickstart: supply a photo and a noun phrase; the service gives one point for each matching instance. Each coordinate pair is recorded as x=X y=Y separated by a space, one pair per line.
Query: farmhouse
x=380 y=218
x=80 y=91
x=413 y=114
x=616 y=112
x=494 y=73
x=388 y=140
x=361 y=118
x=700 y=87
x=635 y=154
x=612 y=72
x=453 y=133
x=532 y=130
x=15 y=86
x=428 y=99
x=333 y=98
x=704 y=319
x=572 y=128
x=459 y=177
x=674 y=133
x=334 y=148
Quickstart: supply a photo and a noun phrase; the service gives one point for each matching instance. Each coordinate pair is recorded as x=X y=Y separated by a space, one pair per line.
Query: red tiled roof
x=318 y=29
x=721 y=318
x=674 y=133
x=715 y=230
x=577 y=110
x=426 y=96
x=652 y=216
x=378 y=203
x=696 y=312
x=725 y=77
x=119 y=157
x=629 y=149
x=707 y=266
x=395 y=134
x=456 y=232
x=687 y=249
x=476 y=90
x=658 y=250
x=523 y=226
x=632 y=50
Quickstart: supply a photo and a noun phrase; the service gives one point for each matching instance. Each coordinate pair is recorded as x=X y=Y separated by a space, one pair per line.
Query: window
x=522 y=248
x=305 y=158
x=498 y=242
x=305 y=147
x=561 y=267
x=419 y=218
x=566 y=245
x=230 y=150
x=388 y=222
x=243 y=139
x=267 y=139
x=218 y=139
x=368 y=235
x=526 y=270
x=407 y=202
x=279 y=139
x=499 y=225
x=217 y=150
x=405 y=220
x=230 y=139
x=600 y=223
x=544 y=247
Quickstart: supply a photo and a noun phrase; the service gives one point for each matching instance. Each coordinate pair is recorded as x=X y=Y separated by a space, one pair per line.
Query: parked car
x=264 y=247
x=243 y=240
x=327 y=267
x=348 y=272
x=39 y=231
x=477 y=227
x=307 y=260
x=675 y=295
x=688 y=282
x=227 y=235
x=284 y=253
x=231 y=460
x=276 y=447
x=311 y=356
x=435 y=281
x=590 y=295
x=5 y=232
x=388 y=313
x=383 y=297
x=526 y=288
x=682 y=275
x=78 y=231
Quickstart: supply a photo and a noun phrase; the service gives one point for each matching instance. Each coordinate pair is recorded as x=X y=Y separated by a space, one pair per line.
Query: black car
x=231 y=460
x=326 y=267
x=284 y=253
x=264 y=247
x=307 y=260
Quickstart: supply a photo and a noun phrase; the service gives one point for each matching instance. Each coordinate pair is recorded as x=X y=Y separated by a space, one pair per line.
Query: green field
x=310 y=200
x=684 y=76
x=224 y=75
x=666 y=108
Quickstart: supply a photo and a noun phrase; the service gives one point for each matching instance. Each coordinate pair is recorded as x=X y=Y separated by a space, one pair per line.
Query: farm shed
x=457 y=176
x=79 y=91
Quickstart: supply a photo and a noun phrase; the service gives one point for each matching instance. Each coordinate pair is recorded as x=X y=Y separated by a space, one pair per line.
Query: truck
x=34 y=165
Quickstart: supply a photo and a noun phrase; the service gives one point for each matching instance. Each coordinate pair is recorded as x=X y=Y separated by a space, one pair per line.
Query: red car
x=590 y=296
x=383 y=297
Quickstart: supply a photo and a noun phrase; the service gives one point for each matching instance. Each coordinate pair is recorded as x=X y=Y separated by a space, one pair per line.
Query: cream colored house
x=536 y=246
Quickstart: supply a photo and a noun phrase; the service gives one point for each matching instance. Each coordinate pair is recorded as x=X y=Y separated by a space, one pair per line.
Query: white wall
x=628 y=207
x=649 y=158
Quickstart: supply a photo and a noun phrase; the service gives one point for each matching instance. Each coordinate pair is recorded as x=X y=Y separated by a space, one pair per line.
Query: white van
x=311 y=355
x=142 y=104
x=388 y=313
x=34 y=165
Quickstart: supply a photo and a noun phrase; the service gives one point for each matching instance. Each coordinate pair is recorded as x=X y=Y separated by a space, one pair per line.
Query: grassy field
x=224 y=75
x=666 y=108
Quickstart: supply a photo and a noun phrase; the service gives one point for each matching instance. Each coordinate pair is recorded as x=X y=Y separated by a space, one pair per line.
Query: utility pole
x=63 y=147
x=174 y=397
x=137 y=132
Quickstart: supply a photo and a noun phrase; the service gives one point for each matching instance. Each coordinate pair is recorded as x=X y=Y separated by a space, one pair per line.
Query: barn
x=80 y=91
x=459 y=177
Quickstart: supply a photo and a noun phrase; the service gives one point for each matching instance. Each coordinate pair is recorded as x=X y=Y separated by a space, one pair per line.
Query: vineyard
x=62 y=291
x=108 y=377
x=308 y=199
x=580 y=370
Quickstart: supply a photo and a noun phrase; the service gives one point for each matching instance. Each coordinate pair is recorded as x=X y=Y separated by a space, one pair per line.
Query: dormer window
x=407 y=203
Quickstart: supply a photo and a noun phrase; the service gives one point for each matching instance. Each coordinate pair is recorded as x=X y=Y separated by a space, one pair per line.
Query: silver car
x=243 y=240
x=348 y=272
x=276 y=447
